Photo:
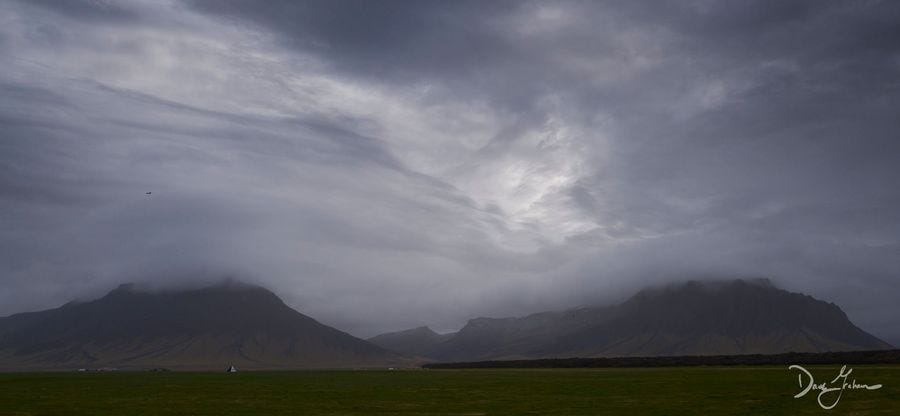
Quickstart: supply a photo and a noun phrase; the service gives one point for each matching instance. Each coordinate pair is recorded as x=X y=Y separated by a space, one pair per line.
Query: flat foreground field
x=637 y=391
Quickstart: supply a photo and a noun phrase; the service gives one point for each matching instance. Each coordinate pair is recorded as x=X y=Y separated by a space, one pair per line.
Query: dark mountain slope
x=694 y=318
x=415 y=342
x=231 y=323
x=510 y=338
x=718 y=318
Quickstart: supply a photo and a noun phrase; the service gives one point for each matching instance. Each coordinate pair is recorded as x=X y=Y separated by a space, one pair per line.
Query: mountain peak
x=423 y=330
x=226 y=323
x=698 y=317
x=226 y=284
x=707 y=286
x=416 y=341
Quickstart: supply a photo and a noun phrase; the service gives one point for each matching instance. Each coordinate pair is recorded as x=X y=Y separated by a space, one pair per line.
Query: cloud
x=385 y=165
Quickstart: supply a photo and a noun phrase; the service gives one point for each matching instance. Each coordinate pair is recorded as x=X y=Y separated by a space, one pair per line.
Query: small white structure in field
x=231 y=369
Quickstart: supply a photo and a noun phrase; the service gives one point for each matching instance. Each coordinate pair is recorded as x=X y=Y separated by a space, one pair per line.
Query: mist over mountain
x=416 y=341
x=233 y=323
x=692 y=318
x=207 y=328
x=385 y=164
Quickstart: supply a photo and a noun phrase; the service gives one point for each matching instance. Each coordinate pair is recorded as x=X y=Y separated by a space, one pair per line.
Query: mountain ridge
x=226 y=324
x=686 y=318
x=234 y=323
x=415 y=342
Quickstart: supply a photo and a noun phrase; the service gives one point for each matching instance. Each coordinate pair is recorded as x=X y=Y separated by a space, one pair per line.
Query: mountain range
x=693 y=318
x=248 y=326
x=209 y=328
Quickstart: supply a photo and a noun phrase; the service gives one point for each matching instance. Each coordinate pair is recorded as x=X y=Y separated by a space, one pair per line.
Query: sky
x=384 y=165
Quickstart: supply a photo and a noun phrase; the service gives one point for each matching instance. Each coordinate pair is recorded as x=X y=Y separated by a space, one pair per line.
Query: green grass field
x=638 y=391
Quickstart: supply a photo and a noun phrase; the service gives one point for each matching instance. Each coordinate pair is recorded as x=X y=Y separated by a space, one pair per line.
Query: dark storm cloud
x=384 y=165
x=416 y=39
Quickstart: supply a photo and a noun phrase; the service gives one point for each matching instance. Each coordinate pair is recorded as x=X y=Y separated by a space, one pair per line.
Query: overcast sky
x=384 y=165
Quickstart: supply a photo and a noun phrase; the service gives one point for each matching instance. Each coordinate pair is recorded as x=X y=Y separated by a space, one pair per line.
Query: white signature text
x=829 y=393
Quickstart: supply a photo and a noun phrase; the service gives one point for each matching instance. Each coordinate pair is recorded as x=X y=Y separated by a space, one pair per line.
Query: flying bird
x=148 y=193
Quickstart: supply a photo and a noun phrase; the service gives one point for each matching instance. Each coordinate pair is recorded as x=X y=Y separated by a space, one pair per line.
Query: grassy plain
x=633 y=391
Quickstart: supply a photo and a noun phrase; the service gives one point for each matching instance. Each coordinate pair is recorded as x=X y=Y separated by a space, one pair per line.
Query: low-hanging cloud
x=383 y=165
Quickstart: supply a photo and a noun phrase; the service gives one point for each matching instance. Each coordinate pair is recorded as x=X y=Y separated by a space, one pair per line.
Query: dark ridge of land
x=693 y=318
x=212 y=327
x=841 y=357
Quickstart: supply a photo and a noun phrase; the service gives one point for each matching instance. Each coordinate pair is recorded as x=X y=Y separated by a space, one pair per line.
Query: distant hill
x=415 y=342
x=693 y=318
x=214 y=327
